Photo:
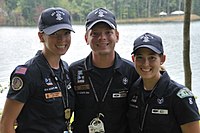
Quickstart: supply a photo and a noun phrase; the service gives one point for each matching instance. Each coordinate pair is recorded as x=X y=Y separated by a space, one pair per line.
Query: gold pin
x=67 y=113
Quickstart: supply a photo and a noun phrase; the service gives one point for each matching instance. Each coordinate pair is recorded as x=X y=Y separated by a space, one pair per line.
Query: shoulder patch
x=184 y=92
x=17 y=83
x=20 y=70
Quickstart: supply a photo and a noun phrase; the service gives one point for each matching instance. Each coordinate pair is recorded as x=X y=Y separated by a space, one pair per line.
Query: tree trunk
x=186 y=41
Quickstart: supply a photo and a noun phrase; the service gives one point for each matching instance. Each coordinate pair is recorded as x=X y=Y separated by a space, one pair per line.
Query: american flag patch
x=20 y=70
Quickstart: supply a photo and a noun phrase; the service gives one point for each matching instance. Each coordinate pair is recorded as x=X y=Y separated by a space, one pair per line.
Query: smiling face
x=57 y=43
x=148 y=63
x=102 y=39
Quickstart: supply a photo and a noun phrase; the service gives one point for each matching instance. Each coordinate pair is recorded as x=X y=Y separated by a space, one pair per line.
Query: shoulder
x=18 y=77
x=65 y=64
x=77 y=63
x=180 y=90
x=127 y=62
x=122 y=61
x=119 y=61
x=183 y=99
x=126 y=67
x=28 y=68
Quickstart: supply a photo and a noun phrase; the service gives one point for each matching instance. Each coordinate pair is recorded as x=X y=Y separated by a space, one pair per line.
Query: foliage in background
x=26 y=12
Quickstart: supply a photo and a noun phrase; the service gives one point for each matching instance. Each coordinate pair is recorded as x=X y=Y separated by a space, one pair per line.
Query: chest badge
x=80 y=76
x=160 y=100
x=125 y=80
x=48 y=81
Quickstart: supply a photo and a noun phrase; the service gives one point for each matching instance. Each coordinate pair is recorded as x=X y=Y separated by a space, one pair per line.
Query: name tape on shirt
x=159 y=111
x=120 y=94
x=53 y=95
x=82 y=87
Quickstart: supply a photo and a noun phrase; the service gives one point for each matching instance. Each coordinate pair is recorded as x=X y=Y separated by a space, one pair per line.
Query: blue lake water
x=18 y=44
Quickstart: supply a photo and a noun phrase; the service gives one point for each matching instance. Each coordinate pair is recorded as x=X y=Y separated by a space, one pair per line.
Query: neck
x=52 y=60
x=149 y=84
x=103 y=61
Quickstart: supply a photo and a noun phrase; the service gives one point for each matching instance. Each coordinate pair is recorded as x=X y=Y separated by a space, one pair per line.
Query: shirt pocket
x=159 y=116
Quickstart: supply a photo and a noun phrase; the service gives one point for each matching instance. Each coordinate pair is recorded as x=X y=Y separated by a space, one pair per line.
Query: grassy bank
x=177 y=18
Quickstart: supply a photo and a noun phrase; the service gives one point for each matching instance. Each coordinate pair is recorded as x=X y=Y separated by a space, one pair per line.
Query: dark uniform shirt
x=34 y=85
x=105 y=93
x=164 y=110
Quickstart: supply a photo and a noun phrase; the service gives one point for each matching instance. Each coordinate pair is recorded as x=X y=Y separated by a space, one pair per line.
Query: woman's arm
x=11 y=111
x=192 y=127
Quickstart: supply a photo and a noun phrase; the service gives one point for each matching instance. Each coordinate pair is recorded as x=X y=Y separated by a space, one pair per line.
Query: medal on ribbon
x=67 y=113
x=96 y=125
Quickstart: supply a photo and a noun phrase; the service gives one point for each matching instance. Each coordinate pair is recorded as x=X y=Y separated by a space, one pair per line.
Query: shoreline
x=171 y=18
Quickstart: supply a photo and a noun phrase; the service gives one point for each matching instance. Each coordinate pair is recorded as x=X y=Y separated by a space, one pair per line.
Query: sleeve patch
x=21 y=70
x=185 y=92
x=17 y=83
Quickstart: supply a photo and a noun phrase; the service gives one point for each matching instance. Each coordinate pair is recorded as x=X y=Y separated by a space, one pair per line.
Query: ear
x=163 y=58
x=86 y=38
x=132 y=56
x=41 y=37
x=117 y=36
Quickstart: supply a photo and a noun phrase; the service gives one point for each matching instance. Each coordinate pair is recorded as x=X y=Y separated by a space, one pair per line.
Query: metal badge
x=67 y=113
x=96 y=125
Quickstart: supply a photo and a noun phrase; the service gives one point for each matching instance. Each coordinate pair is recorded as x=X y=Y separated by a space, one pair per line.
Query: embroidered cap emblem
x=146 y=38
x=101 y=13
x=58 y=14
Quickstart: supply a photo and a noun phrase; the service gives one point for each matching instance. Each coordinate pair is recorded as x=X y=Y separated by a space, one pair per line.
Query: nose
x=145 y=61
x=102 y=35
x=61 y=37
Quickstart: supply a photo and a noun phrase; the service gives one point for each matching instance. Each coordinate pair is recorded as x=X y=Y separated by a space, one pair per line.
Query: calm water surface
x=20 y=44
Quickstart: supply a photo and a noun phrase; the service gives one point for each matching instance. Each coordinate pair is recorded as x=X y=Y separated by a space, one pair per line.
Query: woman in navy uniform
x=158 y=104
x=40 y=99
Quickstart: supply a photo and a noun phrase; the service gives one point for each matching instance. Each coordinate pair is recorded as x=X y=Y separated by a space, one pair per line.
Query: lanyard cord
x=146 y=108
x=57 y=82
x=65 y=84
x=93 y=89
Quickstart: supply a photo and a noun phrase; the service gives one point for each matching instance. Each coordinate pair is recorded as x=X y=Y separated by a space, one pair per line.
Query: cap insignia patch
x=17 y=83
x=58 y=15
x=146 y=38
x=100 y=13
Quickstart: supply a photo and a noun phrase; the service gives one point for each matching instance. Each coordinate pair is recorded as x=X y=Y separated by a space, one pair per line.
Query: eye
x=95 y=34
x=139 y=57
x=109 y=32
x=152 y=58
x=53 y=34
x=67 y=33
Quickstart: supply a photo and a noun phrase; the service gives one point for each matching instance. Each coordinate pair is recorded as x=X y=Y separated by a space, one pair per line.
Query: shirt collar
x=162 y=84
x=117 y=63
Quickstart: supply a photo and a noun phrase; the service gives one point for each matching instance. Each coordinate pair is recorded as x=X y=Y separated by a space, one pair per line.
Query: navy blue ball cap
x=100 y=15
x=150 y=41
x=54 y=19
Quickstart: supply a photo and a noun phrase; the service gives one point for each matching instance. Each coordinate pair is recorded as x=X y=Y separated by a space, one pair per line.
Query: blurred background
x=26 y=12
